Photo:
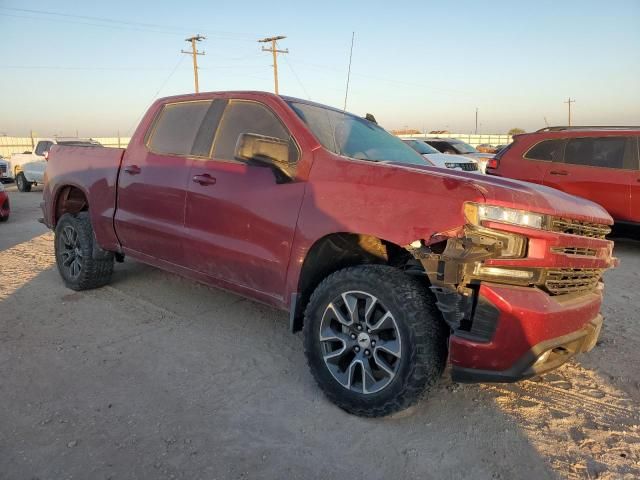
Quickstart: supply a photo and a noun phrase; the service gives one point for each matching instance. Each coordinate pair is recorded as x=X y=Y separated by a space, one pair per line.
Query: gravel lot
x=159 y=377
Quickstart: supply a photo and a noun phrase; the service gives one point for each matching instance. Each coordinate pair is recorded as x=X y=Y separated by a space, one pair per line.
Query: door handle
x=132 y=169
x=204 y=179
x=559 y=172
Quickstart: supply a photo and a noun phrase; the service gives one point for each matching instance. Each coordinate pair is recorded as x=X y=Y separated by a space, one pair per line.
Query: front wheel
x=23 y=184
x=374 y=339
x=81 y=262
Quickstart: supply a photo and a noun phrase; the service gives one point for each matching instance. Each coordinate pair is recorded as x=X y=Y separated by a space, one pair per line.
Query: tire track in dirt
x=585 y=427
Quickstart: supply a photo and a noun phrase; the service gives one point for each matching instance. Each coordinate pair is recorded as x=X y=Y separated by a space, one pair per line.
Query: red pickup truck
x=388 y=265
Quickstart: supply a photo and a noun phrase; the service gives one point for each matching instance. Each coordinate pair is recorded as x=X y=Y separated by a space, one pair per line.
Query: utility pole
x=275 y=52
x=476 y=132
x=194 y=52
x=569 y=102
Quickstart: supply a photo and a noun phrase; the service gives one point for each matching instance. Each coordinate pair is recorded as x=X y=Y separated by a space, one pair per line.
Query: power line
x=297 y=77
x=155 y=95
x=166 y=80
x=116 y=23
x=274 y=50
x=194 y=53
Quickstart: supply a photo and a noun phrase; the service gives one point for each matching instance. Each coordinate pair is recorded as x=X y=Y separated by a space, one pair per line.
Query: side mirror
x=265 y=151
x=46 y=155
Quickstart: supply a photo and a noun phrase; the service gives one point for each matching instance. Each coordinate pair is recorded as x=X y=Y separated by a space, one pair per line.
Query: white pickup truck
x=28 y=168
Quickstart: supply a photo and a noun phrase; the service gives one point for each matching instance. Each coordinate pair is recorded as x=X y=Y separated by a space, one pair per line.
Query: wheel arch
x=339 y=250
x=69 y=199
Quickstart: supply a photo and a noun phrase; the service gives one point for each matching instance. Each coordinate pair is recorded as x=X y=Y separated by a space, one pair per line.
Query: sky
x=94 y=67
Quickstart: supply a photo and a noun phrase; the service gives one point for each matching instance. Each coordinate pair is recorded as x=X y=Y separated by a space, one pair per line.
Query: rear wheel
x=374 y=340
x=81 y=262
x=23 y=184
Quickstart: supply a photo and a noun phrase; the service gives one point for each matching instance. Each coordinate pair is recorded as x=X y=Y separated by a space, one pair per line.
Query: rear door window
x=178 y=127
x=547 y=150
x=605 y=152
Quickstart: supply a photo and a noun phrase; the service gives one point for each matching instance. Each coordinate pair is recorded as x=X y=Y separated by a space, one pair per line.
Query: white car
x=454 y=146
x=28 y=168
x=5 y=170
x=443 y=160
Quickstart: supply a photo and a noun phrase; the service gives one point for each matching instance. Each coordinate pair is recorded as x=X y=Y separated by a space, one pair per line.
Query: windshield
x=462 y=147
x=421 y=147
x=354 y=137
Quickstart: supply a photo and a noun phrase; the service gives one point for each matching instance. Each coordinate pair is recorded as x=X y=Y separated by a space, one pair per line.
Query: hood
x=521 y=195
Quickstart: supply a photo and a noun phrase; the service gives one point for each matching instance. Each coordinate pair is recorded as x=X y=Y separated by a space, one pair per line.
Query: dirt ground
x=159 y=377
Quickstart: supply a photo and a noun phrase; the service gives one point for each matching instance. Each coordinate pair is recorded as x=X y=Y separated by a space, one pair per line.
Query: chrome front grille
x=576 y=227
x=468 y=167
x=3 y=167
x=571 y=280
x=578 y=251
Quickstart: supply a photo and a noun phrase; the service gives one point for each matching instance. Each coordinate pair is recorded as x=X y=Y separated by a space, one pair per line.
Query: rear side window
x=547 y=150
x=440 y=146
x=177 y=127
x=605 y=152
x=245 y=117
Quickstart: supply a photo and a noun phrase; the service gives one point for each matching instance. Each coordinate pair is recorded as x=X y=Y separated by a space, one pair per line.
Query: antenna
x=346 y=92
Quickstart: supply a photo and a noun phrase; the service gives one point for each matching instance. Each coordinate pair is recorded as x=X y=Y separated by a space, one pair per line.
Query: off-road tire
x=96 y=264
x=422 y=331
x=23 y=184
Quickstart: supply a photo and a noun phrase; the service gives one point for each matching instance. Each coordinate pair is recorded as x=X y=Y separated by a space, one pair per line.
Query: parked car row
x=601 y=164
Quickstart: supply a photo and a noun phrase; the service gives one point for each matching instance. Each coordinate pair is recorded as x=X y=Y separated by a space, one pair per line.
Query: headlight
x=476 y=213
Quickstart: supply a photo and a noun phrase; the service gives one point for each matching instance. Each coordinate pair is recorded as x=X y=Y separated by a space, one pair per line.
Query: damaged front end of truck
x=502 y=253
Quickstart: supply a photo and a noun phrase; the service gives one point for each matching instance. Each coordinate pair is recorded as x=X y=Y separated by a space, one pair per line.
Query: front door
x=240 y=221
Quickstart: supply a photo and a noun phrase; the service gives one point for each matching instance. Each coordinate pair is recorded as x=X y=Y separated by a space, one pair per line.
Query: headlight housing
x=477 y=213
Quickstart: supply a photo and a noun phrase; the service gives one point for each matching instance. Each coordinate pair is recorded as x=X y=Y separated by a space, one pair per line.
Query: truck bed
x=94 y=170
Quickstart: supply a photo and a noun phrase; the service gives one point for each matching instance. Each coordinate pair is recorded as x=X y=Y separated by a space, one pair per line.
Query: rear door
x=240 y=220
x=154 y=178
x=596 y=168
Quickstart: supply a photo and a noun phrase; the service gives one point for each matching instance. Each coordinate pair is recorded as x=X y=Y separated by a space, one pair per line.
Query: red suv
x=601 y=164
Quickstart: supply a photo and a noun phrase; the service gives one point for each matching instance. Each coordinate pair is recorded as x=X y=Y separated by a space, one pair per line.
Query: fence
x=471 y=139
x=11 y=145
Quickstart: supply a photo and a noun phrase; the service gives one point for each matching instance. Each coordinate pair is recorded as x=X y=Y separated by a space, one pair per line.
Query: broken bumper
x=534 y=333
